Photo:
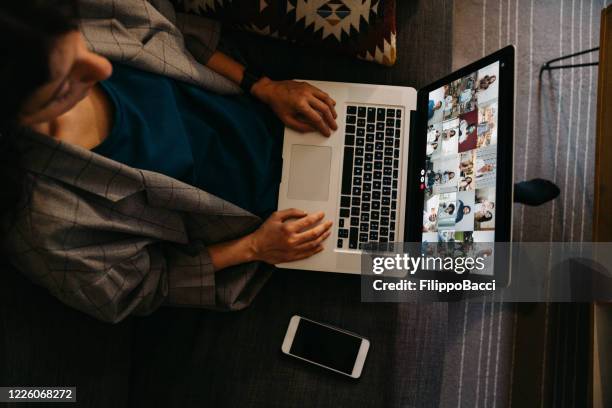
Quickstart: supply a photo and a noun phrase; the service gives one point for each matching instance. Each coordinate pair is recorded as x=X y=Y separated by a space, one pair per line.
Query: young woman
x=228 y=146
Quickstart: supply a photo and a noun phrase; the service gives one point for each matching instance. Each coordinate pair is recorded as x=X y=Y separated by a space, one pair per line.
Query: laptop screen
x=460 y=173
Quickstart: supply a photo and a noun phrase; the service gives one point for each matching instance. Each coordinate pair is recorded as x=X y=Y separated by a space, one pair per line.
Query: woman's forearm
x=226 y=66
x=232 y=253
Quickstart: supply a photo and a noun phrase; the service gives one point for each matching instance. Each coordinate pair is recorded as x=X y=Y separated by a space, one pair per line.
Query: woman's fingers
x=310 y=243
x=284 y=215
x=314 y=118
x=324 y=110
x=313 y=233
x=298 y=125
x=305 y=222
x=327 y=100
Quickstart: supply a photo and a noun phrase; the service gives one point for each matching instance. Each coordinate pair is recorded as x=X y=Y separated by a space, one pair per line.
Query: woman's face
x=74 y=70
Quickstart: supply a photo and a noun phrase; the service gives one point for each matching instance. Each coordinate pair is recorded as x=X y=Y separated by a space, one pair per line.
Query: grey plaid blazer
x=111 y=240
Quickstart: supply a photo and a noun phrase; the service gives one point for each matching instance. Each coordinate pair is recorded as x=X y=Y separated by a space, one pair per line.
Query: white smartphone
x=326 y=346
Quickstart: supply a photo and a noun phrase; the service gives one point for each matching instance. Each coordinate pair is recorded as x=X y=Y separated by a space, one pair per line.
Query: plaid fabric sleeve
x=201 y=35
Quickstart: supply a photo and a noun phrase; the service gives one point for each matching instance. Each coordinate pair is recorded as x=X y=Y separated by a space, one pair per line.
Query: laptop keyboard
x=370 y=176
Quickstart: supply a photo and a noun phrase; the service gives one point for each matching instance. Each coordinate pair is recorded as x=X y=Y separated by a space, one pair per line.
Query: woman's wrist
x=238 y=251
x=261 y=89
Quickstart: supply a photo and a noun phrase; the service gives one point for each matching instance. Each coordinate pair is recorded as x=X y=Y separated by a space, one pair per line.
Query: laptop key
x=353 y=237
x=345 y=201
x=380 y=135
x=360 y=132
x=373 y=236
x=340 y=243
x=375 y=205
x=371 y=114
x=347 y=169
x=355 y=211
x=345 y=212
x=356 y=180
x=398 y=113
x=351 y=119
x=365 y=217
x=374 y=226
x=380 y=126
x=370 y=127
x=358 y=171
x=365 y=206
x=398 y=123
x=351 y=110
x=390 y=113
x=361 y=122
x=369 y=137
x=356 y=201
x=360 y=141
x=354 y=222
x=363 y=227
x=356 y=190
x=361 y=111
x=349 y=129
x=343 y=233
x=388 y=132
x=349 y=139
x=363 y=238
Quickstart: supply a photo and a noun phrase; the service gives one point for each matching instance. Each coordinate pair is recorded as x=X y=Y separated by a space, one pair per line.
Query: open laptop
x=403 y=165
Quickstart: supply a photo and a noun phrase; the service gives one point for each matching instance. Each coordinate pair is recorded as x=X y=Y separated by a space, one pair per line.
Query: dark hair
x=28 y=30
x=488 y=216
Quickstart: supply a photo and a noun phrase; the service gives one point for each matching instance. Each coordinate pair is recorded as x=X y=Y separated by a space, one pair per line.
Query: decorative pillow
x=362 y=28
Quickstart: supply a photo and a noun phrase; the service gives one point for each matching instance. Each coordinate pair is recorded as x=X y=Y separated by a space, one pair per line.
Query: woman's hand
x=283 y=237
x=299 y=105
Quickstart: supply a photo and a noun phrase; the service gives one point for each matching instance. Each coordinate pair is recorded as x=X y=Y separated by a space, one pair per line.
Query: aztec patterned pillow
x=362 y=28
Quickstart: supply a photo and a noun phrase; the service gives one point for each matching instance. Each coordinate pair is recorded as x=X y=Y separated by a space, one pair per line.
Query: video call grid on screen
x=461 y=159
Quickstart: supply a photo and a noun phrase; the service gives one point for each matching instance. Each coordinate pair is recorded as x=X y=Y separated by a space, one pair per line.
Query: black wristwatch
x=251 y=75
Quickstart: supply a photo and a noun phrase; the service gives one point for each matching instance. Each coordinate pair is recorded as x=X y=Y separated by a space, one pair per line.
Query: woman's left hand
x=299 y=105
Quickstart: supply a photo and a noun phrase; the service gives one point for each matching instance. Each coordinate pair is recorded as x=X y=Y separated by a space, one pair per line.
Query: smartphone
x=326 y=346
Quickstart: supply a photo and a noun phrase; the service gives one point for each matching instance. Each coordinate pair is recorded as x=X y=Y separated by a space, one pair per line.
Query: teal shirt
x=229 y=146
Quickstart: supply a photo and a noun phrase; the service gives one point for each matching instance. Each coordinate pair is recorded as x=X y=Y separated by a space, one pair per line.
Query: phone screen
x=326 y=346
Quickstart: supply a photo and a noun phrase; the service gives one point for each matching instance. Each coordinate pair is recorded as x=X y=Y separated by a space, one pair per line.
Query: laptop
x=433 y=165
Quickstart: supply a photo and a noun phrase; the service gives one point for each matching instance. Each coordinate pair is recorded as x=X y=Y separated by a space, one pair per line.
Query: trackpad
x=309 y=173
